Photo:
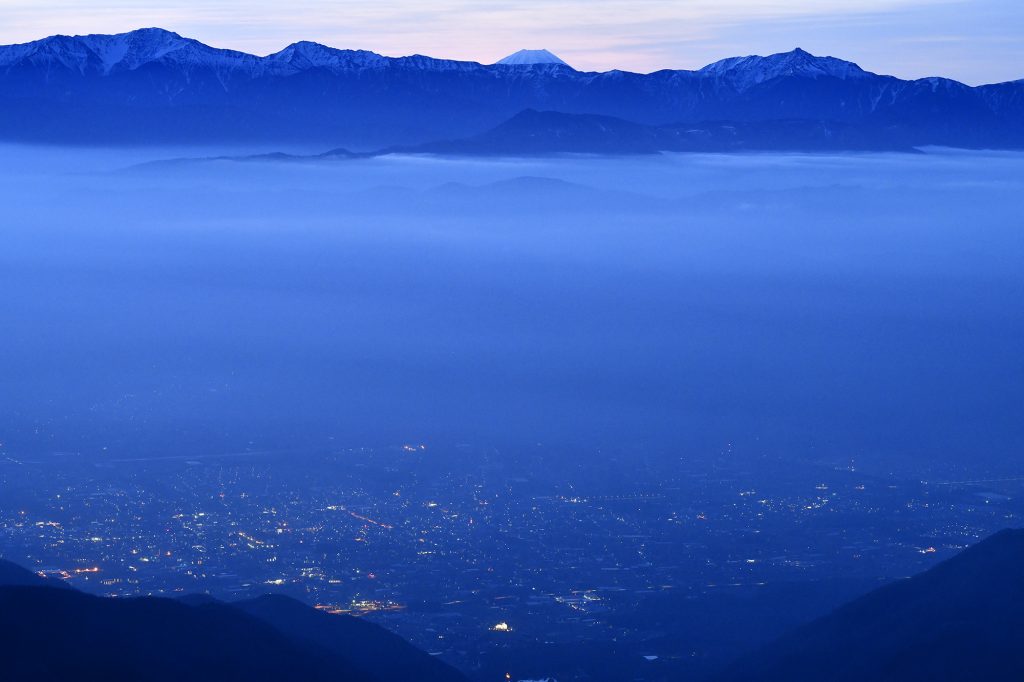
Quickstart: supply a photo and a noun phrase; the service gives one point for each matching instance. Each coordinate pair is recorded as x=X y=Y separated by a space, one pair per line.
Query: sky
x=975 y=41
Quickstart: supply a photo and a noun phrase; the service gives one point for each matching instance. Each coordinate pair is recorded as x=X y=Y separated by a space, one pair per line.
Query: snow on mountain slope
x=102 y=55
x=745 y=72
x=107 y=54
x=306 y=55
x=94 y=87
x=531 y=57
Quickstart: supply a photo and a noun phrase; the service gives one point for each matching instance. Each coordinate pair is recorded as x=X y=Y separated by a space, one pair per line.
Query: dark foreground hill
x=961 y=621
x=49 y=633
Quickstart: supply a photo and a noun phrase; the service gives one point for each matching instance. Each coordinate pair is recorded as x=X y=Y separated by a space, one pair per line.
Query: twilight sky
x=976 y=41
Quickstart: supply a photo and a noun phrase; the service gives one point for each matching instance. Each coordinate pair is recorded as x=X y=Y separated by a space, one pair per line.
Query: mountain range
x=153 y=86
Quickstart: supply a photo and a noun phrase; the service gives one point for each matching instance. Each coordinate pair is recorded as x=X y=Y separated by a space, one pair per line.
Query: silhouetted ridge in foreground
x=962 y=620
x=48 y=633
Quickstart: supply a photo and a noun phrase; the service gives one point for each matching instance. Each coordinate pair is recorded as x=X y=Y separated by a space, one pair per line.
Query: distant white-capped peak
x=531 y=57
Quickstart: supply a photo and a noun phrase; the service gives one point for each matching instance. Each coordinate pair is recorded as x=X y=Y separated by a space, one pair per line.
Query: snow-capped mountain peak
x=105 y=54
x=128 y=51
x=745 y=72
x=155 y=85
x=308 y=55
x=530 y=58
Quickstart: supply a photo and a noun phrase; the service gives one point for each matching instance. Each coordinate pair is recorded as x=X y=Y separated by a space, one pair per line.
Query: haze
x=827 y=308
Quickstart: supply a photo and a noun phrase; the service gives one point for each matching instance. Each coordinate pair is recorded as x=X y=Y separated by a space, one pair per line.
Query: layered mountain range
x=154 y=86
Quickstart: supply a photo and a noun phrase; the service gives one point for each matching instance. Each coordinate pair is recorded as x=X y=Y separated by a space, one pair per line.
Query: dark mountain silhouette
x=48 y=633
x=962 y=620
x=383 y=654
x=544 y=133
x=153 y=86
x=549 y=132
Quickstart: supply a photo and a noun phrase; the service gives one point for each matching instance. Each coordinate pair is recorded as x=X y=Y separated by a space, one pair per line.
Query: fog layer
x=838 y=308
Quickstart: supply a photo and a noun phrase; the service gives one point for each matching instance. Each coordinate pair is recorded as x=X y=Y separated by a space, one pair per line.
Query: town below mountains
x=153 y=86
x=958 y=621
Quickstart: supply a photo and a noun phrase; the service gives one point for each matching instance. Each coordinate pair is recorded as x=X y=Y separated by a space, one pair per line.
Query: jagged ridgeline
x=154 y=86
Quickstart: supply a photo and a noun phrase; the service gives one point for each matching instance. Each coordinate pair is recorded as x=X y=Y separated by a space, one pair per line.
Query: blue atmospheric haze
x=813 y=306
